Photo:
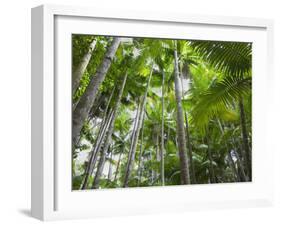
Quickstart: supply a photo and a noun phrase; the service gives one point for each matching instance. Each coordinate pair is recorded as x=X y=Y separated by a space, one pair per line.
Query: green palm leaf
x=219 y=97
x=232 y=58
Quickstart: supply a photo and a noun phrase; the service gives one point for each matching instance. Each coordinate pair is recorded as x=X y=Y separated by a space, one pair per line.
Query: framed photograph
x=136 y=112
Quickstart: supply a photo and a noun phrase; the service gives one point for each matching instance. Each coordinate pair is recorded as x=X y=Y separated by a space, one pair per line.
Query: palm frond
x=232 y=58
x=219 y=97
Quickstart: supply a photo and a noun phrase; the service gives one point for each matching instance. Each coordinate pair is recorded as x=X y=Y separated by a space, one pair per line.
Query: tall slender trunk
x=134 y=130
x=162 y=133
x=79 y=71
x=118 y=163
x=81 y=112
x=131 y=158
x=140 y=156
x=184 y=166
x=109 y=175
x=247 y=150
x=189 y=147
x=151 y=171
x=190 y=155
x=97 y=144
x=108 y=136
x=135 y=127
x=96 y=149
x=99 y=99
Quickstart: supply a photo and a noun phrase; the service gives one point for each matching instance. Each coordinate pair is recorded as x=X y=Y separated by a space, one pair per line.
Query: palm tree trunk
x=83 y=108
x=79 y=71
x=140 y=156
x=190 y=155
x=185 y=178
x=245 y=140
x=96 y=149
x=189 y=149
x=110 y=167
x=162 y=134
x=118 y=163
x=131 y=158
x=135 y=127
x=108 y=136
x=96 y=146
x=151 y=171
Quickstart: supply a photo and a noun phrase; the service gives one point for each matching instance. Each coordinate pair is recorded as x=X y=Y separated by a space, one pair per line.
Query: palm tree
x=180 y=124
x=79 y=71
x=131 y=158
x=185 y=73
x=107 y=142
x=234 y=59
x=178 y=134
x=245 y=139
x=162 y=132
x=83 y=108
x=97 y=145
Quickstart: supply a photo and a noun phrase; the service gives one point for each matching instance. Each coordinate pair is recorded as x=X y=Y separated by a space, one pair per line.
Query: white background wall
x=15 y=112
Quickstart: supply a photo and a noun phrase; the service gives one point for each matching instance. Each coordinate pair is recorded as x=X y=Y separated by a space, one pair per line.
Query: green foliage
x=219 y=98
x=215 y=76
x=232 y=58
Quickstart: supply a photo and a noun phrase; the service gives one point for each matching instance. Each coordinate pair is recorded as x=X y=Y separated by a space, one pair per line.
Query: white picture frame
x=52 y=197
